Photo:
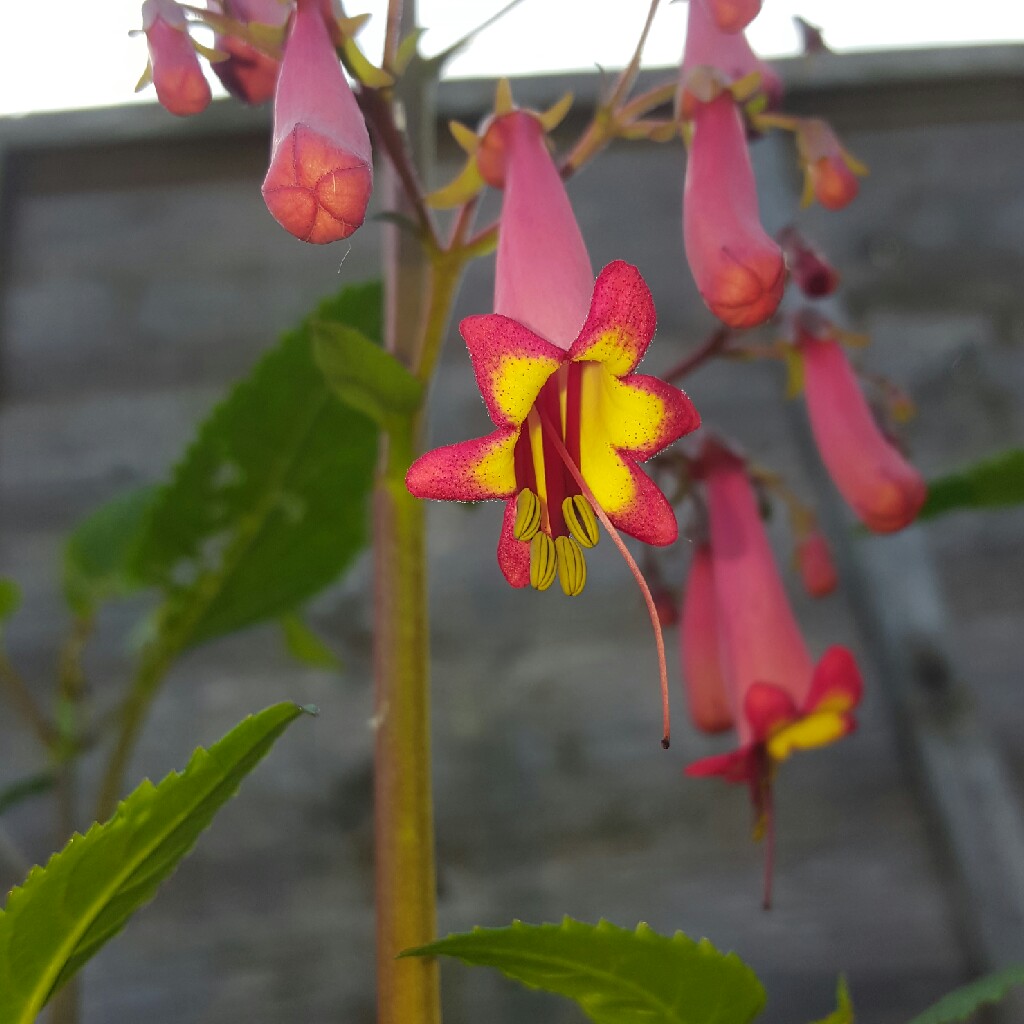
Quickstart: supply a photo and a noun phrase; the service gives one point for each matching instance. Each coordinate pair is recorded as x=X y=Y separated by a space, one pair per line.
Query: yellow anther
x=572 y=566
x=527 y=515
x=542 y=561
x=580 y=519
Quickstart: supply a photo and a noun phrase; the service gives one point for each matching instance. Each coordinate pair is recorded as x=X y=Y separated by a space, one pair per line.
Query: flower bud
x=813 y=274
x=321 y=175
x=248 y=74
x=739 y=270
x=733 y=15
x=180 y=83
x=881 y=487
x=830 y=172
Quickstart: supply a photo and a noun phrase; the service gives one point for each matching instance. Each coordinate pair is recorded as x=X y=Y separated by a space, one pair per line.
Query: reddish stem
x=711 y=348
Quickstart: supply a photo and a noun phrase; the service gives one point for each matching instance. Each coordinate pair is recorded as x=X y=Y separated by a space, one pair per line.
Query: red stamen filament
x=652 y=611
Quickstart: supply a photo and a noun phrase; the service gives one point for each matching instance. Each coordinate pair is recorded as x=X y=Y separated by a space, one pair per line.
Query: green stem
x=155 y=664
x=407 y=990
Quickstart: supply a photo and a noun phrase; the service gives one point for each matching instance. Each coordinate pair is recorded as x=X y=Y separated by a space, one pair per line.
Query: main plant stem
x=408 y=990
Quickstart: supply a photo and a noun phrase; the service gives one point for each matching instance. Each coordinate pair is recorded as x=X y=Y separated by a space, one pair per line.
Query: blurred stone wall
x=142 y=274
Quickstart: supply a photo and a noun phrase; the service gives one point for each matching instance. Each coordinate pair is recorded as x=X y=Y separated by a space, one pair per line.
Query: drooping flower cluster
x=320 y=177
x=725 y=93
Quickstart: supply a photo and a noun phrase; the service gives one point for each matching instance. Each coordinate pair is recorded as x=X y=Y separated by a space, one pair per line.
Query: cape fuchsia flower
x=180 y=83
x=248 y=73
x=321 y=172
x=699 y=650
x=732 y=15
x=740 y=272
x=556 y=365
x=781 y=700
x=830 y=171
x=586 y=398
x=882 y=488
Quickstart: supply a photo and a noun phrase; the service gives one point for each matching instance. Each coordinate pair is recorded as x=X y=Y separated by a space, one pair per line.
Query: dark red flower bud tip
x=813 y=274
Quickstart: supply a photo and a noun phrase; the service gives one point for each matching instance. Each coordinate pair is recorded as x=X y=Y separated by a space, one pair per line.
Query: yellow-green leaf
x=64 y=912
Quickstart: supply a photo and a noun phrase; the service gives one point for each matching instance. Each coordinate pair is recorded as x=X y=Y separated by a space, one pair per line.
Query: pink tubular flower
x=555 y=364
x=813 y=274
x=780 y=699
x=830 y=172
x=248 y=74
x=733 y=15
x=725 y=51
x=817 y=569
x=180 y=83
x=881 y=487
x=321 y=174
x=699 y=650
x=739 y=270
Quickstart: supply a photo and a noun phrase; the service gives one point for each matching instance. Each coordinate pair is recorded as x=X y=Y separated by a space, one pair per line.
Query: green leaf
x=617 y=976
x=97 y=555
x=963 y=1002
x=305 y=646
x=269 y=505
x=993 y=482
x=23 y=789
x=363 y=375
x=10 y=598
x=66 y=911
x=843 y=1013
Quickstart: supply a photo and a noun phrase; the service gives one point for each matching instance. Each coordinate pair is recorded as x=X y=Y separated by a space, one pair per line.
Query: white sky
x=72 y=53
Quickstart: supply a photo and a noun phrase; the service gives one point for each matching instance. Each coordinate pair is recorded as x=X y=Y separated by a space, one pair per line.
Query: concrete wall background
x=142 y=274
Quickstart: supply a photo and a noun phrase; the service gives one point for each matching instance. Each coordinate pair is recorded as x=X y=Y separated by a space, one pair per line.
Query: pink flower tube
x=739 y=270
x=727 y=51
x=321 y=172
x=881 y=487
x=700 y=654
x=781 y=700
x=543 y=277
x=759 y=637
x=180 y=83
x=248 y=74
x=733 y=15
